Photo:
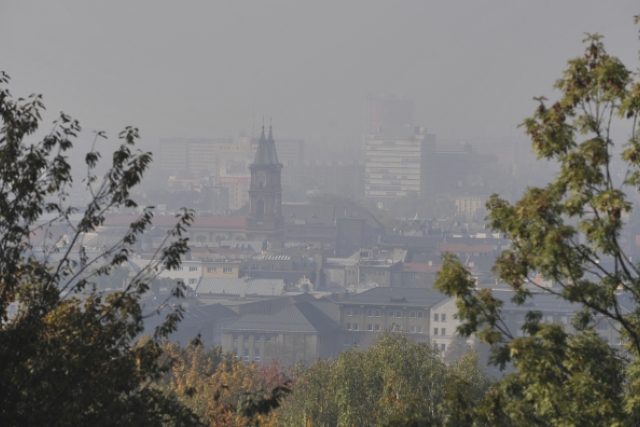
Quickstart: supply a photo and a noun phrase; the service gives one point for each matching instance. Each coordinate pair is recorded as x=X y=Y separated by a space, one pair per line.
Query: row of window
x=443 y=331
x=193 y=268
x=392 y=313
x=245 y=356
x=224 y=269
x=257 y=339
x=376 y=327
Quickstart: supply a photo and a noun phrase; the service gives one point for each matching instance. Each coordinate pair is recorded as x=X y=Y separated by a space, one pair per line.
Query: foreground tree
x=396 y=382
x=70 y=354
x=221 y=390
x=570 y=232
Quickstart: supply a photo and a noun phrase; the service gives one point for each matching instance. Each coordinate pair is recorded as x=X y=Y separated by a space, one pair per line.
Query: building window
x=443 y=331
x=435 y=317
x=443 y=317
x=420 y=314
x=370 y=327
x=376 y=327
x=412 y=314
x=435 y=331
x=443 y=347
x=349 y=312
x=348 y=325
x=377 y=313
x=227 y=269
x=193 y=268
x=355 y=326
x=211 y=269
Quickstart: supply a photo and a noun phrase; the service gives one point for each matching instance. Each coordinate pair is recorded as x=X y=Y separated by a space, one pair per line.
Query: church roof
x=266 y=153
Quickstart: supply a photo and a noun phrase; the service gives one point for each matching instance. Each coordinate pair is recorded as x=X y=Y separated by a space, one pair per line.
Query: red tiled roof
x=216 y=221
x=202 y=221
x=420 y=267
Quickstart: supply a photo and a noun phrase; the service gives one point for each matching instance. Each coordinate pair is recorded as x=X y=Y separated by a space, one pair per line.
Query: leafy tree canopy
x=395 y=382
x=69 y=353
x=571 y=232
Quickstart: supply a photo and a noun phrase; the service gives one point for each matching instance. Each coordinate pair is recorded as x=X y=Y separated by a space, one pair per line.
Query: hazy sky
x=214 y=68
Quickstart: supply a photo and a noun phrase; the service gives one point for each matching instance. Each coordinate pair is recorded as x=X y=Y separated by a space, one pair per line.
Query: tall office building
x=397 y=167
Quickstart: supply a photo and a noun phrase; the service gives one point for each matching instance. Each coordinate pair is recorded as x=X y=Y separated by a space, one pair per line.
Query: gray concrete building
x=398 y=167
x=366 y=315
x=302 y=332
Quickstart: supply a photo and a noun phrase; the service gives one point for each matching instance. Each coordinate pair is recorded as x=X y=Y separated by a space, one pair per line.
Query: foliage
x=70 y=354
x=569 y=232
x=464 y=388
x=394 y=382
x=221 y=390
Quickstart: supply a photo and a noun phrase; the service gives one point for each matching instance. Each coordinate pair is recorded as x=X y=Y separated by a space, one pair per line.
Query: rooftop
x=205 y=221
x=395 y=296
x=303 y=316
x=241 y=286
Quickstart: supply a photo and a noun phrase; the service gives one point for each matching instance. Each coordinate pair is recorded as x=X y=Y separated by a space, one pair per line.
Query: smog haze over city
x=330 y=213
x=216 y=68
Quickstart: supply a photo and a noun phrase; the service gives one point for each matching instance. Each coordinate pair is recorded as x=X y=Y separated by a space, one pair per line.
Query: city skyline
x=215 y=69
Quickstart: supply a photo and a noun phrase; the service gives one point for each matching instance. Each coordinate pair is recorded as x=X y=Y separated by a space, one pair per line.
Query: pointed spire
x=270 y=129
x=266 y=150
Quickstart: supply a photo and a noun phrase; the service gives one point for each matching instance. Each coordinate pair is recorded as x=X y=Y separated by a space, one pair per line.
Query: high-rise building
x=397 y=167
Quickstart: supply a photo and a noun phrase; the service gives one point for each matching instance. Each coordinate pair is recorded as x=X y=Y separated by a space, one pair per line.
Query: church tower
x=265 y=191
